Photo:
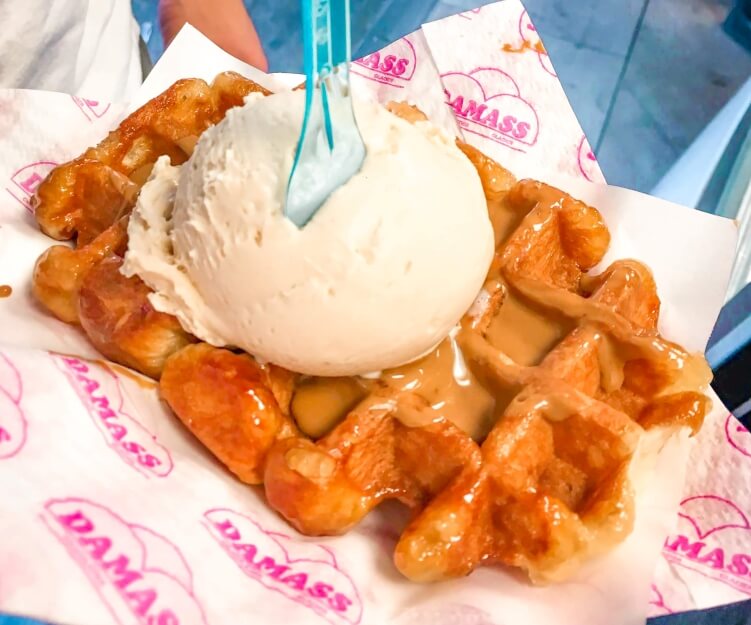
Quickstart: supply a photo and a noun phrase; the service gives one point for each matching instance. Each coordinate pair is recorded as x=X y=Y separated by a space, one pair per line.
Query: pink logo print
x=12 y=419
x=101 y=393
x=394 y=65
x=25 y=181
x=487 y=102
x=707 y=541
x=91 y=109
x=311 y=577
x=587 y=161
x=532 y=40
x=737 y=435
x=657 y=604
x=468 y=15
x=710 y=513
x=141 y=577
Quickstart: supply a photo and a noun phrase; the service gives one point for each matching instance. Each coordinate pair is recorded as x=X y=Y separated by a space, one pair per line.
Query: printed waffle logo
x=532 y=39
x=657 y=605
x=469 y=15
x=25 y=181
x=102 y=395
x=394 y=65
x=142 y=578
x=738 y=436
x=12 y=418
x=305 y=573
x=708 y=529
x=487 y=102
x=587 y=160
x=91 y=109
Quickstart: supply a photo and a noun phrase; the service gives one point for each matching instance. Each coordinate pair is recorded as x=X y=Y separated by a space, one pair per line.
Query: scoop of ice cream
x=378 y=277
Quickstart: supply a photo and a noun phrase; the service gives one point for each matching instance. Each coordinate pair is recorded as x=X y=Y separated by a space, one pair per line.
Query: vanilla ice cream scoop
x=377 y=278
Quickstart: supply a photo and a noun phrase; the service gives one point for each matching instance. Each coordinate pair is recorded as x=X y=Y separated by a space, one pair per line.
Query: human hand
x=225 y=22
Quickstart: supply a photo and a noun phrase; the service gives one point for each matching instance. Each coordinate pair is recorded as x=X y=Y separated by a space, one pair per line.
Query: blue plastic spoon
x=330 y=150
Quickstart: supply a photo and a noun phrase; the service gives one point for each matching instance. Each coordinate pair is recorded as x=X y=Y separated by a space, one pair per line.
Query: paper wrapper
x=112 y=512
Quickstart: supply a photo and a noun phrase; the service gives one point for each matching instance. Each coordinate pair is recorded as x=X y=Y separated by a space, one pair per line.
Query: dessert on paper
x=389 y=351
x=245 y=549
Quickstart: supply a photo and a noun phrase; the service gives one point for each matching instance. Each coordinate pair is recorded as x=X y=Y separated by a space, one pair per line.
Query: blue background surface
x=612 y=56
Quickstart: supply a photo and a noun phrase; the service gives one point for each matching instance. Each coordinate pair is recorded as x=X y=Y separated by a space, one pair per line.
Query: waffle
x=560 y=370
x=82 y=198
x=89 y=200
x=549 y=485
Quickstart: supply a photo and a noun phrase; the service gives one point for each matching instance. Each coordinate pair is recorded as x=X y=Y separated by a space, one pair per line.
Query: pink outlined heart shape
x=737 y=436
x=526 y=28
x=91 y=109
x=26 y=180
x=727 y=515
x=108 y=395
x=657 y=601
x=586 y=159
x=401 y=50
x=469 y=15
x=317 y=562
x=13 y=423
x=159 y=563
x=494 y=89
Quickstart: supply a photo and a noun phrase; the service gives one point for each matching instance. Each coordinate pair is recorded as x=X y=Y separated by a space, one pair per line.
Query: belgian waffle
x=549 y=485
x=563 y=371
x=90 y=198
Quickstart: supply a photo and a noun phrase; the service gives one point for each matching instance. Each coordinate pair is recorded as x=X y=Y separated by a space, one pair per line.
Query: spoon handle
x=330 y=150
x=327 y=42
x=341 y=50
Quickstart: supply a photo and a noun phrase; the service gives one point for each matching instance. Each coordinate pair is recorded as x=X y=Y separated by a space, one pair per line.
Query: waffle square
x=571 y=368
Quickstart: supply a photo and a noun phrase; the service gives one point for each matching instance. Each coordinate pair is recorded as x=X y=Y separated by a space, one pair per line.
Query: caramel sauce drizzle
x=451 y=389
x=533 y=318
x=525 y=45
